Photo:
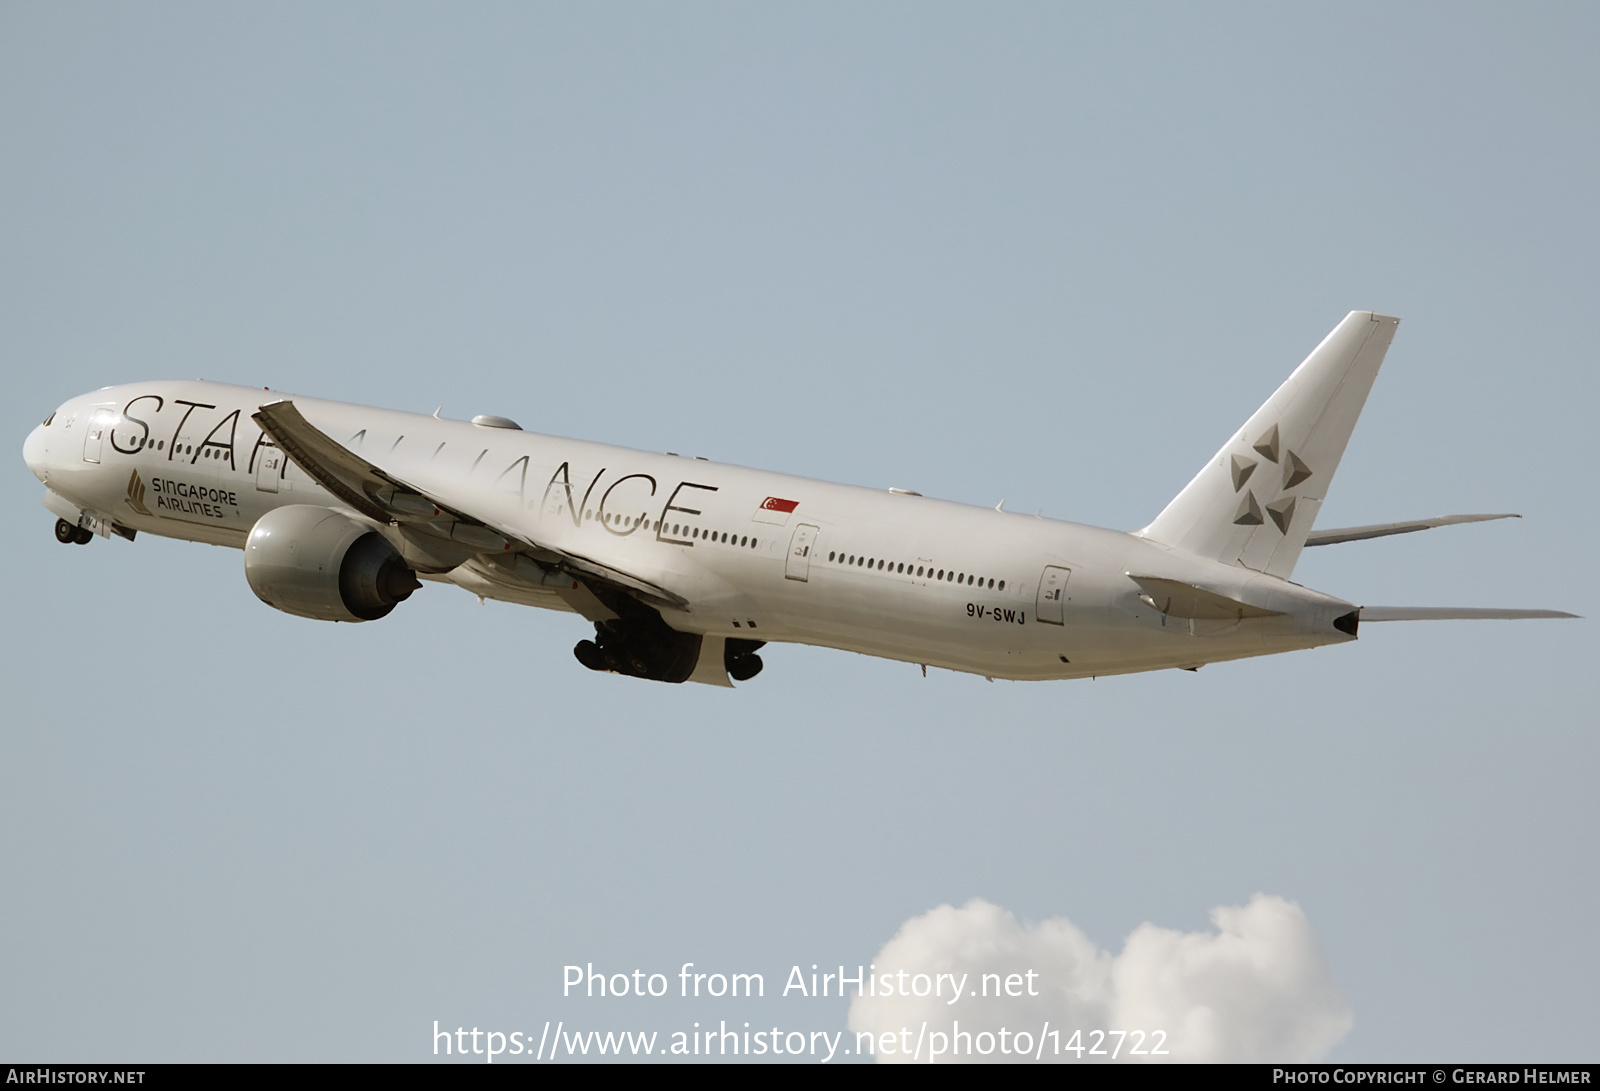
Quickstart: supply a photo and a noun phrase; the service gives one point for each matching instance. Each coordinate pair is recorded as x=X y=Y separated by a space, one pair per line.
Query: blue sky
x=1048 y=253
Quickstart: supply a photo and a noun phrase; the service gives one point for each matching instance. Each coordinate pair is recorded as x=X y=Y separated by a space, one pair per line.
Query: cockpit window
x=48 y=419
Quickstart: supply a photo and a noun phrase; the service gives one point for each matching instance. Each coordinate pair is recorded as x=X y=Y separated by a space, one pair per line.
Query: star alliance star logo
x=1295 y=472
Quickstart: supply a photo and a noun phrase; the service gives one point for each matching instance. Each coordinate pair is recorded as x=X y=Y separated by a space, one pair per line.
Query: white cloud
x=1257 y=989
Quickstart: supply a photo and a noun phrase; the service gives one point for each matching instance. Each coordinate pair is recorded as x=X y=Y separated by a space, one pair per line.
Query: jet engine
x=314 y=562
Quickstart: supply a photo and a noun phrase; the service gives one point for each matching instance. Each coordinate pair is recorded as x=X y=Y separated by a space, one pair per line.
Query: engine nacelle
x=313 y=562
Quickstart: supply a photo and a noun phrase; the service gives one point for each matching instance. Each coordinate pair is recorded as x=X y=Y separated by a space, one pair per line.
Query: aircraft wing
x=1383 y=530
x=382 y=497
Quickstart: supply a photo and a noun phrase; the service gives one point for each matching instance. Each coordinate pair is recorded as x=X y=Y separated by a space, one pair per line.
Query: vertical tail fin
x=1253 y=504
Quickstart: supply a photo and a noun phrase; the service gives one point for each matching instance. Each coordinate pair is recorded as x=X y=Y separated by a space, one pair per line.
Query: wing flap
x=382 y=497
x=1383 y=530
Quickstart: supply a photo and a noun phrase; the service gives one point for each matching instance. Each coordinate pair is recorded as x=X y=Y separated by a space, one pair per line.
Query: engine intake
x=314 y=562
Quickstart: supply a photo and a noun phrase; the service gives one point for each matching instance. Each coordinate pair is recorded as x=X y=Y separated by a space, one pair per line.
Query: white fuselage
x=757 y=555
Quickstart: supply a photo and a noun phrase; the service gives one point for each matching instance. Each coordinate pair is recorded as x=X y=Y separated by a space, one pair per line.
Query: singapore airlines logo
x=135 y=498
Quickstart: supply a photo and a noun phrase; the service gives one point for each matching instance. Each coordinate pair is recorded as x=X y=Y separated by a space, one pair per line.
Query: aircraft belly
x=918 y=622
x=474 y=582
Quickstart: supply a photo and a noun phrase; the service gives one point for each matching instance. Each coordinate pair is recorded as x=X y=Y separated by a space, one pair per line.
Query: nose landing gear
x=67 y=534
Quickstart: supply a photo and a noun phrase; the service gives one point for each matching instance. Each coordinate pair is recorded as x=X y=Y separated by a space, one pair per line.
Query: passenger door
x=1051 y=605
x=269 y=465
x=94 y=434
x=798 y=565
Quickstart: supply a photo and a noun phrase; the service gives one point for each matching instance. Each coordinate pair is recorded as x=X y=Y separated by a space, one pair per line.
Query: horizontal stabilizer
x=1178 y=599
x=1451 y=613
x=1383 y=530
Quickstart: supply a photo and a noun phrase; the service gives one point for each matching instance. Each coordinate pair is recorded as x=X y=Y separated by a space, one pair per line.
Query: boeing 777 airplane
x=686 y=568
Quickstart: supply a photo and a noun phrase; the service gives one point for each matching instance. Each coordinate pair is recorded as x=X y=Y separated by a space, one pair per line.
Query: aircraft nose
x=33 y=452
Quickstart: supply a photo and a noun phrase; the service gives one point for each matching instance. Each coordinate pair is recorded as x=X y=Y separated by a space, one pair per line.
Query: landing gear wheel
x=589 y=654
x=745 y=667
x=83 y=537
x=66 y=533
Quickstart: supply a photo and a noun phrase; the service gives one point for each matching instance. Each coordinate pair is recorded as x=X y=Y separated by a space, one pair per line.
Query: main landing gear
x=741 y=660
x=638 y=642
x=67 y=534
x=645 y=647
x=641 y=645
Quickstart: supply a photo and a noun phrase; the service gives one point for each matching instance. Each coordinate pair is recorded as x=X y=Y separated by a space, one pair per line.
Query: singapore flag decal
x=775 y=510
